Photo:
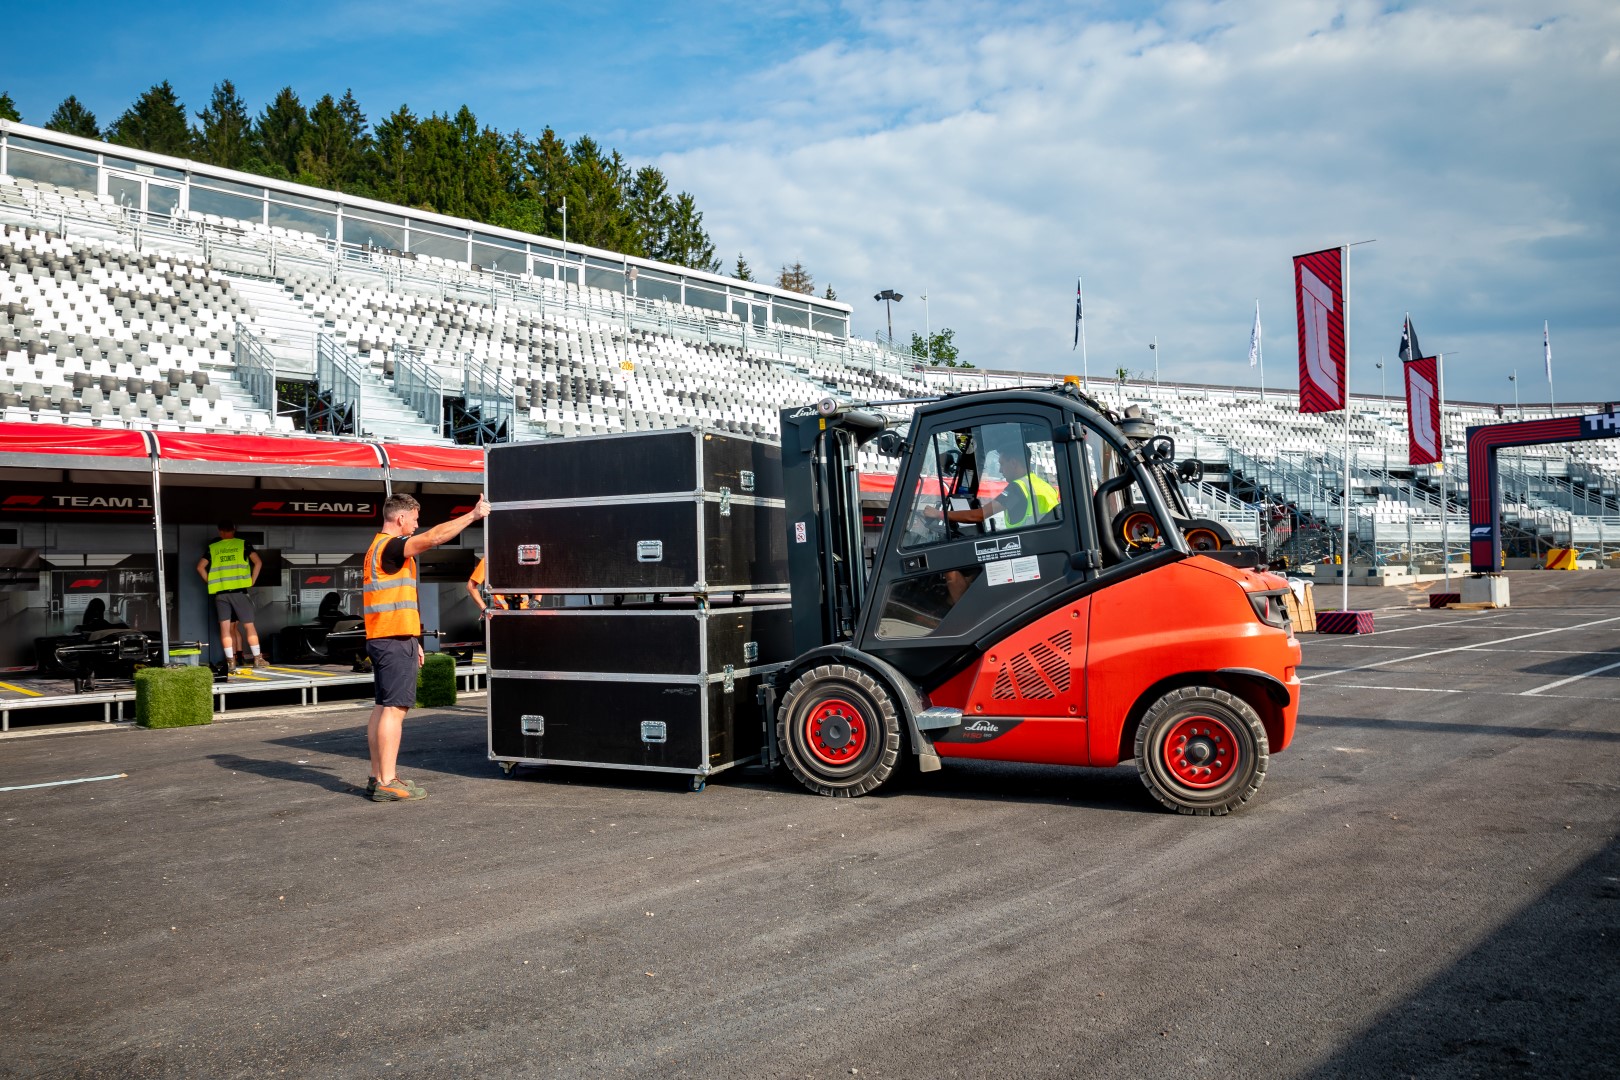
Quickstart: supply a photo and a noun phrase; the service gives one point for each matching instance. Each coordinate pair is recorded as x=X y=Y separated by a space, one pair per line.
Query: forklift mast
x=821 y=490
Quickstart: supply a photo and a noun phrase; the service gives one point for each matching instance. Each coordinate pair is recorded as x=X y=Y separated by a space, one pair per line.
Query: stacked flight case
x=660 y=561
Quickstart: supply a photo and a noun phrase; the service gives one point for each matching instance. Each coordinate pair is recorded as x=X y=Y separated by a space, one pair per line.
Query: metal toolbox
x=667 y=688
x=675 y=511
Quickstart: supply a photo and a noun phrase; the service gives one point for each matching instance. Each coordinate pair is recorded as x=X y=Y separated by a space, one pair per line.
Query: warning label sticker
x=1008 y=571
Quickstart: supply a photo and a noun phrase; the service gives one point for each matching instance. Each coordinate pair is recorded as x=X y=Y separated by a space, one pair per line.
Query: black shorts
x=236 y=605
x=393 y=668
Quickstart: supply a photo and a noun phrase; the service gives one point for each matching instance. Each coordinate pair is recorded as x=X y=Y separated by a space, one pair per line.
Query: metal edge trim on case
x=635 y=676
x=705 y=770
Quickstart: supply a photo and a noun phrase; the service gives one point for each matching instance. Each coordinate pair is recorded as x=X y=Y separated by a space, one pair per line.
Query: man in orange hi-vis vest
x=394 y=632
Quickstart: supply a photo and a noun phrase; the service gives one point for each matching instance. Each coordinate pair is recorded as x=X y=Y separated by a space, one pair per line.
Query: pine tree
x=829 y=294
x=335 y=144
x=688 y=244
x=797 y=279
x=744 y=272
x=280 y=132
x=156 y=122
x=652 y=214
x=596 y=211
x=72 y=118
x=226 y=135
x=391 y=152
x=8 y=108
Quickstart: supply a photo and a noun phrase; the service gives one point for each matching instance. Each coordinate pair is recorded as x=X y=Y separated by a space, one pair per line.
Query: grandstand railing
x=418 y=383
x=255 y=368
x=338 y=375
x=495 y=399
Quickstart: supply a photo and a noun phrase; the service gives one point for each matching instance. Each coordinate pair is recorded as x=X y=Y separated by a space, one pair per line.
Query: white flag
x=1546 y=346
x=1254 y=338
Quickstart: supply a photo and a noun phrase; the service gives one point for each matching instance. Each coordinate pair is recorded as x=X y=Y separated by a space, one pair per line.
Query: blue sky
x=1175 y=155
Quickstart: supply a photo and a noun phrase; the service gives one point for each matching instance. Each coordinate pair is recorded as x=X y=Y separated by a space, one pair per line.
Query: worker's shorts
x=393 y=668
x=235 y=604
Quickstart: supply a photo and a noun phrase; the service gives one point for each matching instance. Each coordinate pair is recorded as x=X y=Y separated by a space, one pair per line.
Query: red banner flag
x=1423 y=409
x=1319 y=296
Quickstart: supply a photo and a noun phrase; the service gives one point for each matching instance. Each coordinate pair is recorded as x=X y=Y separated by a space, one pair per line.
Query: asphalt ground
x=1428 y=884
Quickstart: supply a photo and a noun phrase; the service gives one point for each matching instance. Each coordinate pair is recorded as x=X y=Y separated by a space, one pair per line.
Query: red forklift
x=1039 y=593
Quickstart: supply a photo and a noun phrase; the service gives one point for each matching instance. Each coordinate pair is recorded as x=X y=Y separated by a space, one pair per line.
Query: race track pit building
x=96 y=523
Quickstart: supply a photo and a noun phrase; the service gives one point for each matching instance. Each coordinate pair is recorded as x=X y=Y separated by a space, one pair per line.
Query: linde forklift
x=1039 y=593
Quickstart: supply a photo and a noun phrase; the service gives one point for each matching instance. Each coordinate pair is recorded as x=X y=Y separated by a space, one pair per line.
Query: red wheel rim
x=1201 y=752
x=1203 y=540
x=835 y=732
x=1140 y=531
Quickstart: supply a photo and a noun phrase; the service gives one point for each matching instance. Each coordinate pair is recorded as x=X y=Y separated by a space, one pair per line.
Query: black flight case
x=674 y=511
x=660 y=562
x=668 y=687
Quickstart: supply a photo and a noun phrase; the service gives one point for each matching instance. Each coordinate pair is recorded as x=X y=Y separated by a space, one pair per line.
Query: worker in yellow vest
x=231 y=567
x=394 y=632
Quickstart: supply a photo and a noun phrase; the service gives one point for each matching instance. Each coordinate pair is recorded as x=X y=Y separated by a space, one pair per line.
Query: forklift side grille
x=1042 y=672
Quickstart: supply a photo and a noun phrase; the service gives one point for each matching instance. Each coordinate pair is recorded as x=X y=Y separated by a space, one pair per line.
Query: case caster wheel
x=508 y=767
x=697 y=783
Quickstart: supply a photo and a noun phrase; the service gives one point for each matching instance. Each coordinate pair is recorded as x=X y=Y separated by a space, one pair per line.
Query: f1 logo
x=1424 y=433
x=1318 y=303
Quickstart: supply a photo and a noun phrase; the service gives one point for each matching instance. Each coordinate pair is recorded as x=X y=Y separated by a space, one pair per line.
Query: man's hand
x=481 y=511
x=421 y=656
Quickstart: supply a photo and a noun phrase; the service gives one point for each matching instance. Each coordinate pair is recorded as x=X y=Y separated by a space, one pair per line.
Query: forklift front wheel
x=1202 y=751
x=839 y=731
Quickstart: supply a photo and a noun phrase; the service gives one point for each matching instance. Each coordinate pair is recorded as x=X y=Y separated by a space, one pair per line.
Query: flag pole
x=1080 y=321
x=1257 y=350
x=1344 y=562
x=1546 y=346
x=1445 y=479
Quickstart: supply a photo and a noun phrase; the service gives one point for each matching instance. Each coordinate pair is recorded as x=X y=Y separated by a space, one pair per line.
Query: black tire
x=1205 y=535
x=1136 y=528
x=839 y=731
x=1202 y=751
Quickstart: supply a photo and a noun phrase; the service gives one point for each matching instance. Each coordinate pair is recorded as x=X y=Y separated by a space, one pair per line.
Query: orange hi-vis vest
x=389 y=600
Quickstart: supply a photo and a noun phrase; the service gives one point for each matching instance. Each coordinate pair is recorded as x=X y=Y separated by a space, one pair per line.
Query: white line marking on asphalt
x=59 y=783
x=1404 y=689
x=1572 y=678
x=1459 y=648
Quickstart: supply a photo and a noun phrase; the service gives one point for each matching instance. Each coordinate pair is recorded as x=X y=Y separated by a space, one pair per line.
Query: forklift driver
x=1026 y=500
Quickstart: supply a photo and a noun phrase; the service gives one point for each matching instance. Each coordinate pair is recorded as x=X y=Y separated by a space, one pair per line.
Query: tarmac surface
x=1427 y=885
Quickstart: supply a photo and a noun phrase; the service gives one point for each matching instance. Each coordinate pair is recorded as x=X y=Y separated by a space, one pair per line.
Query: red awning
x=72 y=439
x=434 y=458
x=267 y=450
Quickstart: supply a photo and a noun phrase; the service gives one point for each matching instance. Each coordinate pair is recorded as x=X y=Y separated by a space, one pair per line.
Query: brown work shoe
x=260 y=662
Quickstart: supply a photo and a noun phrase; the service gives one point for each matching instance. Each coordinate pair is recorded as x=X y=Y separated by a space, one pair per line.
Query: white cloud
x=1177 y=162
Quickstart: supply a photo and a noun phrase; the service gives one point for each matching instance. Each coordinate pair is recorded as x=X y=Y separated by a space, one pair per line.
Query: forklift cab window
x=972 y=482
x=991 y=478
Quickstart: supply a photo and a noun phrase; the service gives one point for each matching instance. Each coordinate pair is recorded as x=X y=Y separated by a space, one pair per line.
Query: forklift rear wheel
x=839 y=730
x=1205 y=535
x=1202 y=751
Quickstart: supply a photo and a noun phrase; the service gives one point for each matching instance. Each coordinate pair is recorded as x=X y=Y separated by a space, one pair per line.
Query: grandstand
x=145 y=291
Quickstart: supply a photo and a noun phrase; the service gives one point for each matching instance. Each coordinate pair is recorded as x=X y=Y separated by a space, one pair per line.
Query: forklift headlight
x=1270 y=608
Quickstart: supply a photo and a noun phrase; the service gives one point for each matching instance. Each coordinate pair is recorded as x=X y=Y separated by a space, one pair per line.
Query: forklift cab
x=1002 y=506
